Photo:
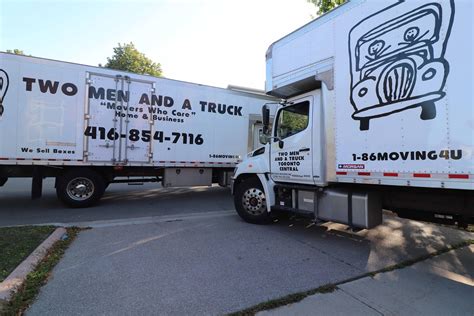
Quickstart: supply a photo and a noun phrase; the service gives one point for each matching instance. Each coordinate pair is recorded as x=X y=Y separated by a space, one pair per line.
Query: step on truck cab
x=377 y=113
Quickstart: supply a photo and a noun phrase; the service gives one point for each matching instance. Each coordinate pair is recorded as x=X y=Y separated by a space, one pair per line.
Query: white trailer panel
x=400 y=80
x=63 y=113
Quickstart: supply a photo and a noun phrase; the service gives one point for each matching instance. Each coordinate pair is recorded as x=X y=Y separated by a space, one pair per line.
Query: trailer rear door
x=118 y=127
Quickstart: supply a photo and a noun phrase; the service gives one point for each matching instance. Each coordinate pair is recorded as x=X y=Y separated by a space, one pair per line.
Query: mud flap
x=267 y=185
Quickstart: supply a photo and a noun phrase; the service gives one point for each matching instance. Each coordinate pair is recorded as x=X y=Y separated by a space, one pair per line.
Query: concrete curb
x=10 y=285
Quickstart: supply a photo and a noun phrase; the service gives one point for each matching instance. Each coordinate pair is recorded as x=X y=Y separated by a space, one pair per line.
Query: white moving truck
x=378 y=113
x=91 y=126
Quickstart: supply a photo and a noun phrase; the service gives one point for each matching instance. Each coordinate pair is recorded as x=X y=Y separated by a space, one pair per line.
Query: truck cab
x=293 y=153
x=290 y=173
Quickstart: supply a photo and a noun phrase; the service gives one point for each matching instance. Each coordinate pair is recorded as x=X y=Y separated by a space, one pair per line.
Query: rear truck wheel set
x=79 y=188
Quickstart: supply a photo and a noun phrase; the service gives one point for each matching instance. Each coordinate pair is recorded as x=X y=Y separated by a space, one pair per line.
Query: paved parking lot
x=185 y=251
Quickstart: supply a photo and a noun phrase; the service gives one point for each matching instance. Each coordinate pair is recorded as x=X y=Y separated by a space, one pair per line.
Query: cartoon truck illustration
x=399 y=63
x=3 y=88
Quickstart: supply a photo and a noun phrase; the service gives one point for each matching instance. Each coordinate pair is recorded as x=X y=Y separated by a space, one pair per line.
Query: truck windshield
x=292 y=120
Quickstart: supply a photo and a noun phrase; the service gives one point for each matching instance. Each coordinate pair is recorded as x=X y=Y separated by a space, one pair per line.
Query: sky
x=213 y=42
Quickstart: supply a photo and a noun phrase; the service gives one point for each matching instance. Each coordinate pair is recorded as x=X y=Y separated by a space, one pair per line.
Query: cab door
x=291 y=147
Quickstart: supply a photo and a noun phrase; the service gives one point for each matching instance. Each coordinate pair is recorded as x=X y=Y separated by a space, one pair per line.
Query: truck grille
x=399 y=82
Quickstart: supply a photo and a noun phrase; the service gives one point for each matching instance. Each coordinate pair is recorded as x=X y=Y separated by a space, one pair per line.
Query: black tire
x=250 y=202
x=78 y=188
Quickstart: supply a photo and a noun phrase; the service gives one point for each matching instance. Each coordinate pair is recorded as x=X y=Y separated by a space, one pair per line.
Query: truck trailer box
x=377 y=114
x=59 y=114
x=399 y=78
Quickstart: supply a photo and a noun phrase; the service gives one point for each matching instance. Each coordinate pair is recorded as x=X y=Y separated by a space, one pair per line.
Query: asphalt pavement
x=121 y=201
x=442 y=285
x=216 y=265
x=175 y=251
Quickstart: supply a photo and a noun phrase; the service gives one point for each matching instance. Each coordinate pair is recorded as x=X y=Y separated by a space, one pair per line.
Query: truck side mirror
x=265 y=119
x=281 y=144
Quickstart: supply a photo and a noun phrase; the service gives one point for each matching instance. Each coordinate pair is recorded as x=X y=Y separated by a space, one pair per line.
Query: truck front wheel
x=250 y=202
x=80 y=187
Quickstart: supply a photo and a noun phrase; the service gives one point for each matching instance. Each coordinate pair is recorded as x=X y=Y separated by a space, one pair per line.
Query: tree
x=15 y=51
x=326 y=5
x=127 y=57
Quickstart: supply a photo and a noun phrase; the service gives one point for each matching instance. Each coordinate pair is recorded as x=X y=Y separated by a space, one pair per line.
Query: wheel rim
x=254 y=201
x=80 y=189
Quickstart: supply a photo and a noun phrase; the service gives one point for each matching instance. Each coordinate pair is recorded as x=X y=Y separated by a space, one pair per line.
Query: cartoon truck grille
x=399 y=64
x=398 y=83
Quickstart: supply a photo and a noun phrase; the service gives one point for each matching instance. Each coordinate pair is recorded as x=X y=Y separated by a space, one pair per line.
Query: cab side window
x=292 y=120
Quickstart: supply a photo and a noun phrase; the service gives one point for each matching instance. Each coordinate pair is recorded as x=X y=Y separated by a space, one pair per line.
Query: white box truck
x=90 y=126
x=378 y=114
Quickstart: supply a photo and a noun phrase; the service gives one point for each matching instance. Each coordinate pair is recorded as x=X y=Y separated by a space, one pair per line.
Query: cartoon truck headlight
x=399 y=63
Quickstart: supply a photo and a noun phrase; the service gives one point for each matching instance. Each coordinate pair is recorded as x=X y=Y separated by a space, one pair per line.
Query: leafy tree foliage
x=326 y=5
x=15 y=51
x=127 y=57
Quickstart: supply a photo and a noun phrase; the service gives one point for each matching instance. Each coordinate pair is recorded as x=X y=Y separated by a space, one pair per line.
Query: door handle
x=304 y=149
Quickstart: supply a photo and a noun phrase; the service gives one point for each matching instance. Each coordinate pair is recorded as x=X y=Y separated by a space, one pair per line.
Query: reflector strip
x=422 y=175
x=458 y=176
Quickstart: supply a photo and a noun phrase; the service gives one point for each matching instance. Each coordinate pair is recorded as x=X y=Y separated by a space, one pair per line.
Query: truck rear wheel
x=250 y=202
x=80 y=188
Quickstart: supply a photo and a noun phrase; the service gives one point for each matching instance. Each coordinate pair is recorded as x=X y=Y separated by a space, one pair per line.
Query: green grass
x=39 y=276
x=16 y=243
